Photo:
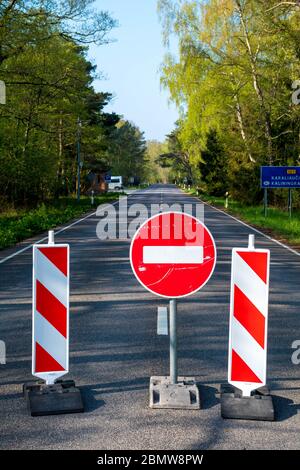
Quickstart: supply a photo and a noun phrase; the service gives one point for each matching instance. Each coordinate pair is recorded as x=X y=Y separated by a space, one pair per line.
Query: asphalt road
x=114 y=348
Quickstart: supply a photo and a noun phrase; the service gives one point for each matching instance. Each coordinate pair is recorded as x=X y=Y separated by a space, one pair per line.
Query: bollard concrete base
x=61 y=398
x=183 y=396
x=258 y=407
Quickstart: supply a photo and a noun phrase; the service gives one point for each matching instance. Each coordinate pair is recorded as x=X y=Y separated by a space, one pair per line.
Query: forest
x=236 y=83
x=234 y=77
x=52 y=107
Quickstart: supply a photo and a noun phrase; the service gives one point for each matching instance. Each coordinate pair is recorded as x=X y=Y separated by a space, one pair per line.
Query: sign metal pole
x=78 y=158
x=226 y=199
x=266 y=202
x=290 y=202
x=162 y=261
x=173 y=342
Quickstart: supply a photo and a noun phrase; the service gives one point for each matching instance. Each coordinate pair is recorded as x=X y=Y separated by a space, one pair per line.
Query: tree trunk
x=256 y=85
x=242 y=128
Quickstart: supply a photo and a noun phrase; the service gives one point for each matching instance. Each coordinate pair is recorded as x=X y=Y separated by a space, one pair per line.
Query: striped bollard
x=50 y=333
x=246 y=396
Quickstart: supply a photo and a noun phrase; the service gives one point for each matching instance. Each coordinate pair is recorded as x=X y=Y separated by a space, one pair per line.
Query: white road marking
x=252 y=228
x=56 y=233
x=193 y=197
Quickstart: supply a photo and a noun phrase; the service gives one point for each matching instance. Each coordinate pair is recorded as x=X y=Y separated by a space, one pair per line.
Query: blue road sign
x=280 y=177
x=108 y=176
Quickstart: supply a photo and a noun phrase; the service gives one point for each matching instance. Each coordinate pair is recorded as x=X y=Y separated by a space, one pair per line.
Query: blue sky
x=131 y=67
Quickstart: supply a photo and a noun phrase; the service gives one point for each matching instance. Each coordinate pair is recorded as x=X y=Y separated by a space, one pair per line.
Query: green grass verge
x=277 y=223
x=17 y=225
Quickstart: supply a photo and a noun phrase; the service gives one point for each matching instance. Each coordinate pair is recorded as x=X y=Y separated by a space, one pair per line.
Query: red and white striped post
x=50 y=315
x=247 y=361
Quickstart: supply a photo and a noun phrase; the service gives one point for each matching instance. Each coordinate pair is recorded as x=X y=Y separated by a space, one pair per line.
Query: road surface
x=114 y=348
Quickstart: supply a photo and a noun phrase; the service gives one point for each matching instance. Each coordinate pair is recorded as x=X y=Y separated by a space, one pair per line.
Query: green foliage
x=49 y=85
x=52 y=105
x=236 y=63
x=214 y=165
x=16 y=225
x=177 y=158
x=24 y=22
x=276 y=223
x=155 y=173
x=128 y=152
x=244 y=183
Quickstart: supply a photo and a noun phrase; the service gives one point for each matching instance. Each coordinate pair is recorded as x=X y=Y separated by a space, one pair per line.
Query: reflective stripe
x=50 y=339
x=51 y=277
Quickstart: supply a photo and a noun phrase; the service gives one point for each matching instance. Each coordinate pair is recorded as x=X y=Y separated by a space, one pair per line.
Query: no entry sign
x=173 y=254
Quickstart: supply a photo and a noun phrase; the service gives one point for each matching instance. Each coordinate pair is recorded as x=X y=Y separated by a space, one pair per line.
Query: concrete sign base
x=61 y=398
x=183 y=395
x=258 y=407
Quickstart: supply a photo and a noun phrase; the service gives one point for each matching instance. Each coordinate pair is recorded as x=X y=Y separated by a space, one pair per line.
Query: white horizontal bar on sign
x=173 y=254
x=162 y=321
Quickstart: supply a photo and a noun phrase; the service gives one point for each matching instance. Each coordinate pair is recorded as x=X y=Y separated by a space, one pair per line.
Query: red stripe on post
x=240 y=372
x=258 y=262
x=249 y=316
x=51 y=308
x=44 y=362
x=58 y=256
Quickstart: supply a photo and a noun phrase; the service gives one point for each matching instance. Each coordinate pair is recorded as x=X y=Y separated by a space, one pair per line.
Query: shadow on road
x=285 y=408
x=208 y=396
x=91 y=393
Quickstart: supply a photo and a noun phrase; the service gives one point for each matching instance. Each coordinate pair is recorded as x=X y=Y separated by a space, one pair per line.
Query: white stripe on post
x=251 y=285
x=51 y=277
x=162 y=321
x=248 y=349
x=50 y=339
x=247 y=358
x=49 y=324
x=173 y=254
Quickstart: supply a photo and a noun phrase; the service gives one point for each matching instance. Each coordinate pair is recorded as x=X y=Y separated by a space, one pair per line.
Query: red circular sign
x=173 y=254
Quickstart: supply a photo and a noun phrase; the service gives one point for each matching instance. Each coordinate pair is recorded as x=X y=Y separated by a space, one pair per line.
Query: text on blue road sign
x=280 y=177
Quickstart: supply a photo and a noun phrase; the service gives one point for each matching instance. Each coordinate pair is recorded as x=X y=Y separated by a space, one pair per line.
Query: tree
x=127 y=152
x=234 y=73
x=214 y=165
x=176 y=158
x=155 y=173
x=24 y=22
x=49 y=87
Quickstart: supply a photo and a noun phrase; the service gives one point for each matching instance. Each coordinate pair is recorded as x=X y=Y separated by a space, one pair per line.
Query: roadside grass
x=277 y=223
x=18 y=224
